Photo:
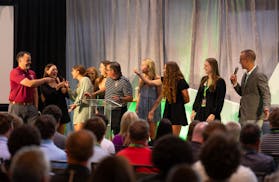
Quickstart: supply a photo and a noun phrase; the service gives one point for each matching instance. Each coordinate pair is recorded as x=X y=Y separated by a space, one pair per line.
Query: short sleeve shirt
x=18 y=92
x=120 y=87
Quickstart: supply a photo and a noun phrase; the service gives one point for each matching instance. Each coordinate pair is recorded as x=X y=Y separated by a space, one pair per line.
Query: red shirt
x=138 y=156
x=18 y=92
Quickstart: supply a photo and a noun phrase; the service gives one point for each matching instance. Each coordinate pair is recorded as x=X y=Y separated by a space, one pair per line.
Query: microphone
x=235 y=70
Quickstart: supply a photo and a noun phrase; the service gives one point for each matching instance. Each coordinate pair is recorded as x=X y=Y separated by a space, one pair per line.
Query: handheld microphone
x=235 y=70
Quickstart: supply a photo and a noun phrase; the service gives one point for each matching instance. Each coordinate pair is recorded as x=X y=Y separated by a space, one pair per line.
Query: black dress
x=214 y=101
x=175 y=112
x=56 y=97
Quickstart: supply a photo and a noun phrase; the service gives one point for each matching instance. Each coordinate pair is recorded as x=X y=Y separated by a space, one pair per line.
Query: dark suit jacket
x=255 y=96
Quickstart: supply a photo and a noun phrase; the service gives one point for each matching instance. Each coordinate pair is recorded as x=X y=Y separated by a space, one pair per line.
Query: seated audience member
x=126 y=120
x=138 y=153
x=211 y=128
x=17 y=121
x=114 y=168
x=6 y=127
x=250 y=140
x=197 y=139
x=167 y=152
x=182 y=173
x=47 y=126
x=191 y=129
x=105 y=143
x=58 y=139
x=270 y=142
x=233 y=129
x=97 y=126
x=30 y=164
x=220 y=161
x=164 y=128
x=78 y=155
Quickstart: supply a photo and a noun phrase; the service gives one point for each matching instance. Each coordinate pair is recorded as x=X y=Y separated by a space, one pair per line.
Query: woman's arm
x=156 y=82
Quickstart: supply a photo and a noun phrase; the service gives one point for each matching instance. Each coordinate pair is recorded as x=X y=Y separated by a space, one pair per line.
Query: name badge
x=203 y=104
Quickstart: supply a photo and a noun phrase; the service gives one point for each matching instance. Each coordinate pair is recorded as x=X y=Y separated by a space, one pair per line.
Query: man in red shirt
x=23 y=88
x=138 y=153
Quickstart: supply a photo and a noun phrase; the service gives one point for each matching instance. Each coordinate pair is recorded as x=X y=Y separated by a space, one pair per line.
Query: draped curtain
x=185 y=31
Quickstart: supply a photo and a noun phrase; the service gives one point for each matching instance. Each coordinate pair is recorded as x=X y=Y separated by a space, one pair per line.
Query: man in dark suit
x=254 y=90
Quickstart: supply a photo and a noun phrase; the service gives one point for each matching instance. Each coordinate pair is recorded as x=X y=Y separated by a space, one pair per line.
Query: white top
x=108 y=146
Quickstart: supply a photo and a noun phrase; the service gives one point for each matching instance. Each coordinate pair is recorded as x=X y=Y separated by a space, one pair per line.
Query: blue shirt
x=52 y=152
x=4 y=152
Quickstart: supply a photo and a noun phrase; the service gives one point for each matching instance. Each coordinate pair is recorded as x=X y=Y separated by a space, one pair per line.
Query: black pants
x=116 y=116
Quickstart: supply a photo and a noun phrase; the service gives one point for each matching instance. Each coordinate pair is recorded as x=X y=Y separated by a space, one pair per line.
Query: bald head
x=198 y=131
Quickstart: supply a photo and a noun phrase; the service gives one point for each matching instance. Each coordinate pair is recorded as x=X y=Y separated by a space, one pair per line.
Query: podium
x=103 y=106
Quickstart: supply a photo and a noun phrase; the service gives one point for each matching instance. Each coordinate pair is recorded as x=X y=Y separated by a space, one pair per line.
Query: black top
x=79 y=174
x=214 y=101
x=175 y=112
x=56 y=97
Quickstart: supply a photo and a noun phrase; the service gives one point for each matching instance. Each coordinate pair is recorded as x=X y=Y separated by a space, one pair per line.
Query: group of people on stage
x=111 y=84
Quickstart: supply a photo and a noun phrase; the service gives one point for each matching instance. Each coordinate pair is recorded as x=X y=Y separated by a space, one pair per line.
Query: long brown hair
x=171 y=77
x=215 y=74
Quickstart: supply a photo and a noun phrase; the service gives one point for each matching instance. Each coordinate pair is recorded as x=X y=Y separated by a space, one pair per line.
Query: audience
x=58 y=139
x=138 y=153
x=47 y=126
x=17 y=121
x=126 y=120
x=164 y=128
x=182 y=173
x=114 y=169
x=270 y=142
x=106 y=144
x=97 y=126
x=191 y=129
x=233 y=129
x=220 y=160
x=169 y=151
x=6 y=127
x=211 y=128
x=78 y=155
x=197 y=139
x=30 y=164
x=258 y=162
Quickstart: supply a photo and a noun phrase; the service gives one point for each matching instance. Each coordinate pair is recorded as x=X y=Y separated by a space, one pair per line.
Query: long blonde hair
x=171 y=77
x=151 y=70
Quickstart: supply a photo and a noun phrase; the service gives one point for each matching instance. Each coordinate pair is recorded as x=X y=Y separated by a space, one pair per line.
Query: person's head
x=80 y=152
x=169 y=151
x=198 y=132
x=46 y=124
x=247 y=58
x=55 y=111
x=233 y=129
x=139 y=131
x=50 y=71
x=104 y=118
x=24 y=60
x=211 y=67
x=17 y=121
x=164 y=128
x=6 y=125
x=172 y=74
x=78 y=71
x=92 y=74
x=250 y=136
x=30 y=164
x=25 y=135
x=114 y=70
x=181 y=173
x=220 y=156
x=126 y=120
x=118 y=167
x=103 y=67
x=148 y=68
x=274 y=118
x=97 y=126
x=191 y=129
x=211 y=128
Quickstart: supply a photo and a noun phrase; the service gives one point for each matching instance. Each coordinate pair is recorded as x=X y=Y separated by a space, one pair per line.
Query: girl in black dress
x=211 y=94
x=55 y=93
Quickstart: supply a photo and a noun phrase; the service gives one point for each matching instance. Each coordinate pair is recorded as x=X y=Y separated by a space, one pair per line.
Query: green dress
x=81 y=112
